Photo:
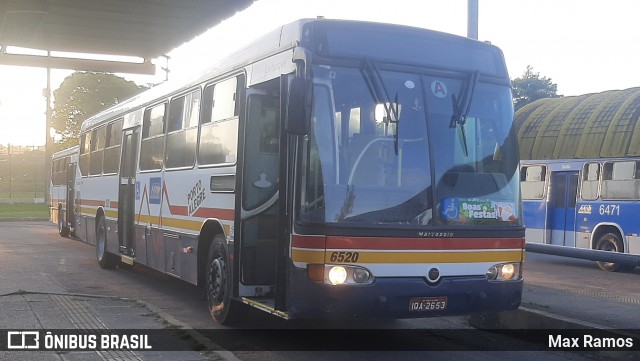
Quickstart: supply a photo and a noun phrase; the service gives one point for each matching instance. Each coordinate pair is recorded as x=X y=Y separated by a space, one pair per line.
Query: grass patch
x=24 y=211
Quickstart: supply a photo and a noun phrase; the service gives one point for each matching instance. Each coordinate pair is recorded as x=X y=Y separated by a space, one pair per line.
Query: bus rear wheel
x=611 y=242
x=218 y=283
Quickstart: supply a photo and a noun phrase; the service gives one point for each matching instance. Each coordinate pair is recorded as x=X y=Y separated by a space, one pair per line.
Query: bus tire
x=611 y=242
x=217 y=284
x=63 y=230
x=106 y=260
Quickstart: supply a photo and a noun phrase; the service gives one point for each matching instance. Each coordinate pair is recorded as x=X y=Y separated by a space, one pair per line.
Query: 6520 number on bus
x=343 y=256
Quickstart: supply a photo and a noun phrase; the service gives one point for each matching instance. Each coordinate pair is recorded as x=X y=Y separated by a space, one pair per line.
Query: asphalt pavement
x=69 y=316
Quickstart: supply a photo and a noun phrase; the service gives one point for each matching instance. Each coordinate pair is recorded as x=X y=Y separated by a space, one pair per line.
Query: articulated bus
x=64 y=172
x=330 y=169
x=584 y=208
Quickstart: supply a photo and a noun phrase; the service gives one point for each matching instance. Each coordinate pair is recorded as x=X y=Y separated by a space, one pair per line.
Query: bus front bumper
x=395 y=297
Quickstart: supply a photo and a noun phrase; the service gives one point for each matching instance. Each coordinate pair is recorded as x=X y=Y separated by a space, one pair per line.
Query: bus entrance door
x=126 y=193
x=261 y=225
x=562 y=208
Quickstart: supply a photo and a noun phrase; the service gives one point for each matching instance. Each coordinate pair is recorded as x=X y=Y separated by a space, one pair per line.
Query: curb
x=197 y=336
x=28 y=219
x=210 y=346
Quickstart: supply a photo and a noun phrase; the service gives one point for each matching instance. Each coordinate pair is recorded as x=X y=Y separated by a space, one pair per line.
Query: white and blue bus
x=584 y=208
x=330 y=169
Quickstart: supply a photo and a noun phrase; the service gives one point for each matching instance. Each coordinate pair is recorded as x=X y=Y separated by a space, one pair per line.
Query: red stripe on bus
x=178 y=210
x=389 y=243
x=95 y=203
x=90 y=202
x=315 y=242
x=227 y=214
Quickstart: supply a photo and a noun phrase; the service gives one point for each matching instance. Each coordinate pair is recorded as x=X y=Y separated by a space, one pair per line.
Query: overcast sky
x=584 y=46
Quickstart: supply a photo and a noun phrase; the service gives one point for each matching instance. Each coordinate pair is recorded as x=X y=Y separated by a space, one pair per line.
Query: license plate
x=428 y=303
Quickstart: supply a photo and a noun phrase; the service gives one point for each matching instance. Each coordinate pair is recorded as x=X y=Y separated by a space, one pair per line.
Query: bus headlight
x=508 y=271
x=504 y=272
x=337 y=275
x=361 y=275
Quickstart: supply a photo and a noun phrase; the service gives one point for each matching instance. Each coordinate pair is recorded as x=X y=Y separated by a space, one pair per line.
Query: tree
x=82 y=95
x=531 y=87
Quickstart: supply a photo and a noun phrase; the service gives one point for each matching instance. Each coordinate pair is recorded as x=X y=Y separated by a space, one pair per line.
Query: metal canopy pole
x=47 y=144
x=472 y=19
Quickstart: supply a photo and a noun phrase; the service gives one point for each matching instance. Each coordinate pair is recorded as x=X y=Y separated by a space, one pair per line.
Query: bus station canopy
x=144 y=29
x=599 y=125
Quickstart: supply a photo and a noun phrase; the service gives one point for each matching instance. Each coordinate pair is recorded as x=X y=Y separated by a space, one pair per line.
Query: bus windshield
x=391 y=147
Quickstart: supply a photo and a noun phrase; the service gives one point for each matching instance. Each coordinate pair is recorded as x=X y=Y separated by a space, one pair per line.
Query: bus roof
x=556 y=165
x=283 y=38
x=65 y=152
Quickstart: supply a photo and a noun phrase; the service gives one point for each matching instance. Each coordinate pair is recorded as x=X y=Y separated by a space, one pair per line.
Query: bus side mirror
x=298 y=118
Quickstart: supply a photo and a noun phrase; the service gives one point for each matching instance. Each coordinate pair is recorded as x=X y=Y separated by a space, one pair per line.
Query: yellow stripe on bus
x=178 y=224
x=413 y=257
x=435 y=257
x=307 y=256
x=111 y=214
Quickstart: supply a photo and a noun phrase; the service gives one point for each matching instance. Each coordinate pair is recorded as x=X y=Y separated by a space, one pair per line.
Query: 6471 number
x=610 y=210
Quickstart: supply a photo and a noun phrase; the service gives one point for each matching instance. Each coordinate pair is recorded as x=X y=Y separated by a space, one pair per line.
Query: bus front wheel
x=610 y=242
x=218 y=282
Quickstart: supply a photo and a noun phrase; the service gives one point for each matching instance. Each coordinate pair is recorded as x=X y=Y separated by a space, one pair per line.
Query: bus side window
x=152 y=147
x=55 y=178
x=590 y=181
x=112 y=147
x=97 y=150
x=533 y=180
x=182 y=133
x=85 y=149
x=218 y=143
x=620 y=181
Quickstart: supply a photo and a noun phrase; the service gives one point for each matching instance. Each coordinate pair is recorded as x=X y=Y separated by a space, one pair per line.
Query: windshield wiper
x=380 y=94
x=461 y=105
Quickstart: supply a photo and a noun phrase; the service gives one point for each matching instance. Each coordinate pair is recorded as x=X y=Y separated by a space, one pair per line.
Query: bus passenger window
x=219 y=124
x=182 y=131
x=590 y=181
x=619 y=181
x=533 y=180
x=97 y=150
x=85 y=153
x=152 y=147
x=112 y=147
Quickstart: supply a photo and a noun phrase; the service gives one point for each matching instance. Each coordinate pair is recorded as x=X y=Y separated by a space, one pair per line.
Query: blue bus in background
x=583 y=208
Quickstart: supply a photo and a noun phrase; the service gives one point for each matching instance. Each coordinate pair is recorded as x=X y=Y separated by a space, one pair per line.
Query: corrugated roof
x=596 y=125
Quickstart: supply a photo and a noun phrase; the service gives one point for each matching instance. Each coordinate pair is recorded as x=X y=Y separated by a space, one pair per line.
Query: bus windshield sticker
x=439 y=89
x=463 y=210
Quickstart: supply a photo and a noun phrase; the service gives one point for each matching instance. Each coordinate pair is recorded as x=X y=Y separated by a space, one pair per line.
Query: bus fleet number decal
x=347 y=257
x=610 y=210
